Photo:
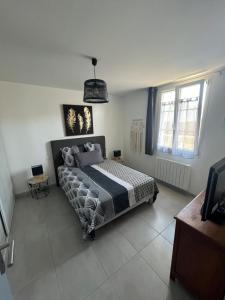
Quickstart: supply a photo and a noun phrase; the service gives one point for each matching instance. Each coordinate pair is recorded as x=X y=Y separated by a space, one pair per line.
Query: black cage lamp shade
x=95 y=90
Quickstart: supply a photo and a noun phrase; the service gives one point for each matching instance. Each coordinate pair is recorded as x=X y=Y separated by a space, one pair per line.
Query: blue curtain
x=150 y=139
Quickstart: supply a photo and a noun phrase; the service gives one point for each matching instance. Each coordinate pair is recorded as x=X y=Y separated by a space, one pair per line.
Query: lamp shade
x=95 y=91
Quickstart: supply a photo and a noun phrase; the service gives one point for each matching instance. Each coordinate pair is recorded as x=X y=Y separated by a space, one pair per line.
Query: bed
x=101 y=192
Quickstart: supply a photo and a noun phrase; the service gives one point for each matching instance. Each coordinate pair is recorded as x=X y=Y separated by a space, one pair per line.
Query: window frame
x=176 y=89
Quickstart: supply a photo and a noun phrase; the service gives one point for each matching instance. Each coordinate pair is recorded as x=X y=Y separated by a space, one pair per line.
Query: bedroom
x=46 y=56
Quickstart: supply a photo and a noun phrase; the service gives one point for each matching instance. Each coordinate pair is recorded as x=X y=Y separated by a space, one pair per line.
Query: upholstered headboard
x=58 y=144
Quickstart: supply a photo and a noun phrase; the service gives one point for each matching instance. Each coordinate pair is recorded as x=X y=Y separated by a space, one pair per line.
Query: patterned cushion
x=89 y=147
x=75 y=149
x=68 y=157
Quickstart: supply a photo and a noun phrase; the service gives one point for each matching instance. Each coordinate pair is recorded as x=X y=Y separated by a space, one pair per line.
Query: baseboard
x=22 y=195
x=174 y=188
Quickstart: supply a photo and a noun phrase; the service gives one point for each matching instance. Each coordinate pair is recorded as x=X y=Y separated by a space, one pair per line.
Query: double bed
x=101 y=192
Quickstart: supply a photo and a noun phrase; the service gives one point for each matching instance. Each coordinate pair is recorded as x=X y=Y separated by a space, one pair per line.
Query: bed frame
x=58 y=161
x=144 y=200
x=58 y=144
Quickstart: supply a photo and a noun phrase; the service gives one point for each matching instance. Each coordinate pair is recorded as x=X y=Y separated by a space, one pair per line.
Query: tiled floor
x=130 y=258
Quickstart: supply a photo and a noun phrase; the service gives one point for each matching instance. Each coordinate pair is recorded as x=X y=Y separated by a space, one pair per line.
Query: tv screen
x=214 y=205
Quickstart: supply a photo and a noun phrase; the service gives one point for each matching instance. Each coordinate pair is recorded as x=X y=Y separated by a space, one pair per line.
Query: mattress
x=100 y=192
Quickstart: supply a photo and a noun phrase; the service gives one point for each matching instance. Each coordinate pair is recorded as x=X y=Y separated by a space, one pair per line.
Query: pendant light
x=95 y=90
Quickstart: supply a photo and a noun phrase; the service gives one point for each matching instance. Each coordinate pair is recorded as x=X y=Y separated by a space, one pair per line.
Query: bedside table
x=38 y=186
x=119 y=160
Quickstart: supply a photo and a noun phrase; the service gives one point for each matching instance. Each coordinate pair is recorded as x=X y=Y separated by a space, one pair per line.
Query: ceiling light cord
x=94 y=73
x=94 y=63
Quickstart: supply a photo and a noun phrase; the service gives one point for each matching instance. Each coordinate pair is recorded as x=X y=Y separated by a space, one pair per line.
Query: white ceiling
x=139 y=43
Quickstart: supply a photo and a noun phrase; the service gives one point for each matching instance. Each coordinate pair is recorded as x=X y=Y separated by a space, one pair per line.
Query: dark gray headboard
x=58 y=144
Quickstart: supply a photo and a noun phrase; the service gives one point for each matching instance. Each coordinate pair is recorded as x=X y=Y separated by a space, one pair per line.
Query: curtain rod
x=198 y=75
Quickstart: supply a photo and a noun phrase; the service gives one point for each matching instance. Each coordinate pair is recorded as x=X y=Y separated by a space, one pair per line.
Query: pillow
x=89 y=158
x=68 y=157
x=75 y=149
x=89 y=146
x=92 y=147
x=98 y=147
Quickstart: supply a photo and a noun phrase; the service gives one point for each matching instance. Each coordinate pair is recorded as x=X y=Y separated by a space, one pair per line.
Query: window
x=180 y=115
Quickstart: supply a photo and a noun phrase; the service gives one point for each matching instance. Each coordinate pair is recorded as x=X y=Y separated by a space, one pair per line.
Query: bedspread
x=99 y=192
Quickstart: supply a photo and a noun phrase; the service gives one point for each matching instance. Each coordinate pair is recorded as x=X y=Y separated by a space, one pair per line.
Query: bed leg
x=92 y=235
x=149 y=201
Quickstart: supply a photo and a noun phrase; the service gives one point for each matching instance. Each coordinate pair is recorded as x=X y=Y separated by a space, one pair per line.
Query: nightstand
x=38 y=186
x=119 y=160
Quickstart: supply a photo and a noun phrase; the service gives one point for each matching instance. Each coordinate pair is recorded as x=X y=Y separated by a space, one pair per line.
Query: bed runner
x=127 y=185
x=118 y=192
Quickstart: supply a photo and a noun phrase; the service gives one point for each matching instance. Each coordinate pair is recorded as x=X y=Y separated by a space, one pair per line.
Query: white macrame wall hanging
x=136 y=135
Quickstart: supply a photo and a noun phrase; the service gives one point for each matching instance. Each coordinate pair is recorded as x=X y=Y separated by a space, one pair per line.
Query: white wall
x=6 y=192
x=31 y=116
x=213 y=135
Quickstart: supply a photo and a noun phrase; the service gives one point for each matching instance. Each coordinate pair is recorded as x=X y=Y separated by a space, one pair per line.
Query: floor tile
x=171 y=200
x=59 y=222
x=51 y=256
x=44 y=288
x=26 y=212
x=67 y=243
x=137 y=231
x=57 y=204
x=112 y=250
x=81 y=275
x=169 y=232
x=31 y=260
x=159 y=254
x=157 y=218
x=135 y=280
x=28 y=233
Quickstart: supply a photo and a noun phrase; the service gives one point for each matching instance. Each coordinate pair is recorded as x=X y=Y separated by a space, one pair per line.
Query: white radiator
x=174 y=173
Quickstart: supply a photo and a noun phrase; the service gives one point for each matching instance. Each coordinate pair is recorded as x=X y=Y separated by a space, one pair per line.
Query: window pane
x=190 y=91
x=168 y=96
x=187 y=118
x=165 y=139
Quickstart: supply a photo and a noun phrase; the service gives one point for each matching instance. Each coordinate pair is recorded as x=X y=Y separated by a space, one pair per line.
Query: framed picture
x=78 y=119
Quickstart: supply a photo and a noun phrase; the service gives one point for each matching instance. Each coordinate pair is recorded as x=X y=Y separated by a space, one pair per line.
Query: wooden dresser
x=198 y=260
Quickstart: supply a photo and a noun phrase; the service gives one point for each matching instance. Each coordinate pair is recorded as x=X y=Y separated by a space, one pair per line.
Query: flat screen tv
x=213 y=207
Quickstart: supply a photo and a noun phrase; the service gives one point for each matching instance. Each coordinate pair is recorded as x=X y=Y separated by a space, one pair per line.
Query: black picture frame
x=78 y=119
